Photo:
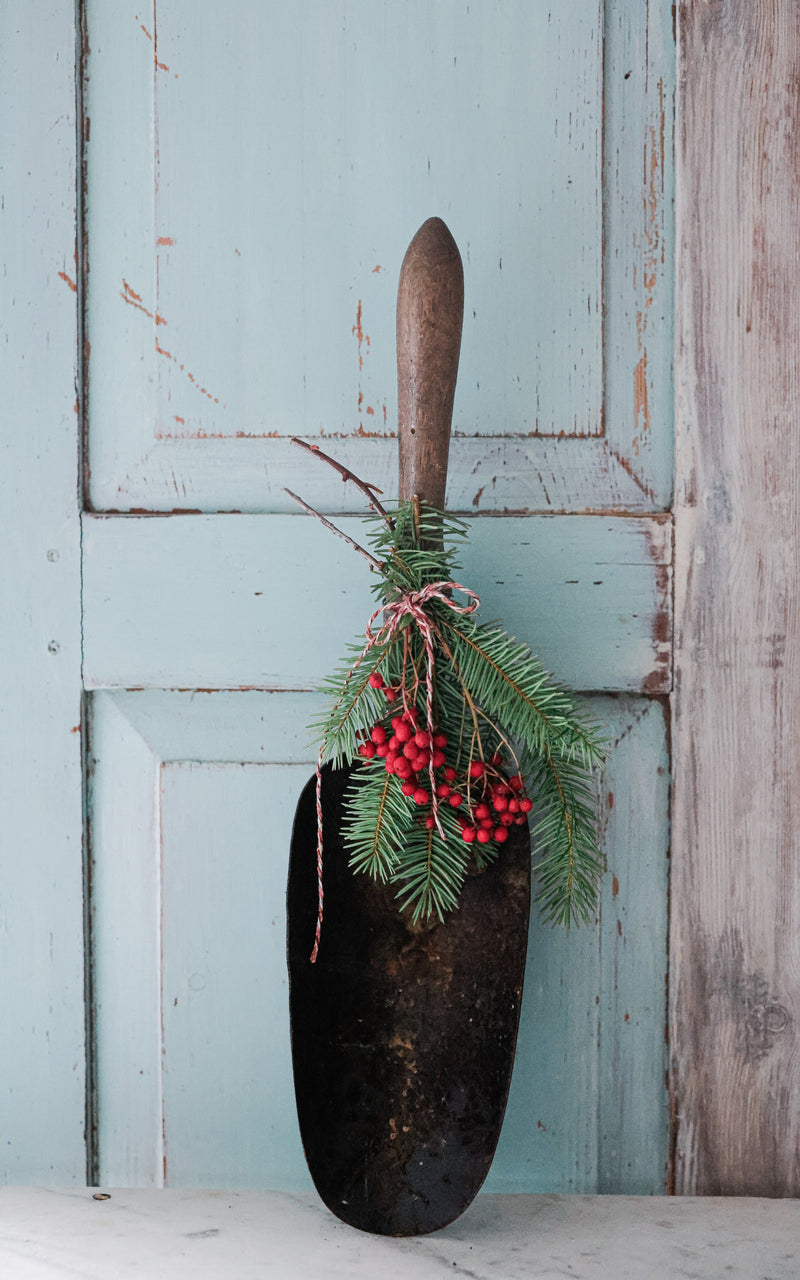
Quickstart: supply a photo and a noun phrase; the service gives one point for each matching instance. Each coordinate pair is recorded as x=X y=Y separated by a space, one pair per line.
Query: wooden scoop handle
x=430 y=311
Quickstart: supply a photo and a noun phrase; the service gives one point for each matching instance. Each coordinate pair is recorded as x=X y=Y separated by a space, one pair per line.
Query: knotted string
x=411 y=605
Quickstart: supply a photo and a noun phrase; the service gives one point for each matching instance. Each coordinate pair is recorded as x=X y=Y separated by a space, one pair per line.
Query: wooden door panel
x=192 y=798
x=272 y=601
x=249 y=200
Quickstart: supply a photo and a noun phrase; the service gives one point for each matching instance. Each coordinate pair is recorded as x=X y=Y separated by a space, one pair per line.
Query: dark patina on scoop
x=403 y=1035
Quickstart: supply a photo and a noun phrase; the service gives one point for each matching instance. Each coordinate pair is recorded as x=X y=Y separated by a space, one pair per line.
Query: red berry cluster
x=487 y=800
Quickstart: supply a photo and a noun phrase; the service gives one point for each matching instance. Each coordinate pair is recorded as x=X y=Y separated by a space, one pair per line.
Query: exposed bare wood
x=735 y=1000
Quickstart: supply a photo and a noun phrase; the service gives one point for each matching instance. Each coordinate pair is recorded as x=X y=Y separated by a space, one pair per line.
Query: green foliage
x=492 y=699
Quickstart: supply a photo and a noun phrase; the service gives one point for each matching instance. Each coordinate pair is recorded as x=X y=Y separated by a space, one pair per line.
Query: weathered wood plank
x=272 y=601
x=192 y=798
x=735 y=998
x=41 y=931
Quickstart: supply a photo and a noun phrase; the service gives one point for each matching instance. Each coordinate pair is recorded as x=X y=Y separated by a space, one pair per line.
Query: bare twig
x=369 y=490
x=377 y=565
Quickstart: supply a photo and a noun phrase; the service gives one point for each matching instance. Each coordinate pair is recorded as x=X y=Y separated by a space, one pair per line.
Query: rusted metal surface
x=402 y=1037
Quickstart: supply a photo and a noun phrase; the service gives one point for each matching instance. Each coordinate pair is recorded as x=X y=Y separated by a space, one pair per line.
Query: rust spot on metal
x=610 y=799
x=165 y=240
x=76 y=728
x=619 y=928
x=614 y=886
x=478 y=496
x=627 y=1017
x=67 y=280
x=375 y=270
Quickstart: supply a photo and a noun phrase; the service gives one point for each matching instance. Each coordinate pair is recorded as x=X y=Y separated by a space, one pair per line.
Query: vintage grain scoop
x=405 y=1021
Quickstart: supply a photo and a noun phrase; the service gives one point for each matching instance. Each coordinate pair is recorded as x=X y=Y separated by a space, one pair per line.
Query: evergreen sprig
x=509 y=729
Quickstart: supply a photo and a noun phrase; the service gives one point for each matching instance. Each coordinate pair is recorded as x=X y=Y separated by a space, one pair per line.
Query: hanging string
x=410 y=605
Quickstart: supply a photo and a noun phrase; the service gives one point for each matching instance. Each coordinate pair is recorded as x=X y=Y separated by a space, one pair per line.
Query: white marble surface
x=51 y=1234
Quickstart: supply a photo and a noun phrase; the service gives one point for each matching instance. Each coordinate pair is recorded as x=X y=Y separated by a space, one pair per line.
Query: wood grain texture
x=192 y=797
x=430 y=313
x=193 y=602
x=735 y=994
x=42 y=1110
x=250 y=295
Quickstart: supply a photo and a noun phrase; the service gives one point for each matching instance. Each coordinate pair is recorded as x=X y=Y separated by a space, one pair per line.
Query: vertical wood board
x=41 y=912
x=735 y=997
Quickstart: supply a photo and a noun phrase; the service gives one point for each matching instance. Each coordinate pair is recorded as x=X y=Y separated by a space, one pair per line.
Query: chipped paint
x=153 y=38
x=134 y=299
x=641 y=407
x=62 y=275
x=361 y=337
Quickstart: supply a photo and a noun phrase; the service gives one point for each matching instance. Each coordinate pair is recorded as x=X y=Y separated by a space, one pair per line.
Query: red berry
x=477 y=769
x=501 y=834
x=421 y=796
x=484 y=836
x=468 y=834
x=402 y=731
x=403 y=767
x=488 y=823
x=516 y=782
x=482 y=811
x=408 y=788
x=430 y=824
x=450 y=773
x=455 y=800
x=506 y=819
x=496 y=760
x=382 y=749
x=367 y=750
x=443 y=791
x=422 y=738
x=526 y=805
x=438 y=759
x=513 y=805
x=376 y=680
x=391 y=695
x=520 y=820
x=500 y=803
x=409 y=750
x=440 y=740
x=378 y=733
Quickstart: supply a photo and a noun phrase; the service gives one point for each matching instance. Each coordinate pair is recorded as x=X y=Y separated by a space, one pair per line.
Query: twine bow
x=411 y=605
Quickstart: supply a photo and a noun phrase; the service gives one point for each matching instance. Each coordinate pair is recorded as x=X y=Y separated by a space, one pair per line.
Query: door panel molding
x=198 y=377
x=273 y=601
x=192 y=797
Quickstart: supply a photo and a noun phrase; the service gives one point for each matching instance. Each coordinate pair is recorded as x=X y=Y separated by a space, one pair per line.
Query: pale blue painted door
x=251 y=184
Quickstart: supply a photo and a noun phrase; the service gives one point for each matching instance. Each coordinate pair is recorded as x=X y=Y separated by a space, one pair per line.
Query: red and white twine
x=411 y=605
